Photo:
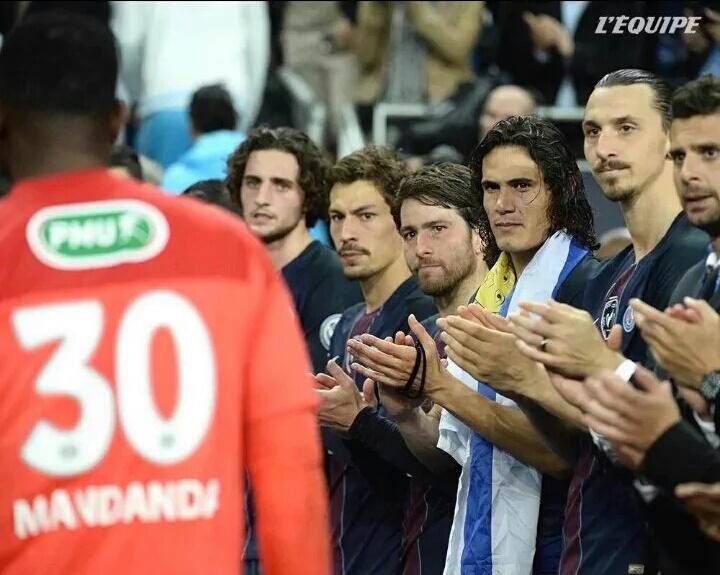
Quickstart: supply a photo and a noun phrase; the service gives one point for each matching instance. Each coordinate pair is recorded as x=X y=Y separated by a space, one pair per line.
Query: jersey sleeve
x=383 y=436
x=282 y=441
x=700 y=461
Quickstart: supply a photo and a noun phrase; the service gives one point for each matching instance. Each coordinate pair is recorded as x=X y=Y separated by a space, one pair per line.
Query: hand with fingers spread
x=630 y=419
x=391 y=363
x=481 y=344
x=703 y=501
x=686 y=350
x=562 y=338
x=340 y=400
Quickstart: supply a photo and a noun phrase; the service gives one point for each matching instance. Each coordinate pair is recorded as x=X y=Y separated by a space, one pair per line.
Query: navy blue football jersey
x=321 y=293
x=369 y=496
x=605 y=529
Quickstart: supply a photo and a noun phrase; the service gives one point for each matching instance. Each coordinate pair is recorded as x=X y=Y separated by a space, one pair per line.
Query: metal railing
x=383 y=112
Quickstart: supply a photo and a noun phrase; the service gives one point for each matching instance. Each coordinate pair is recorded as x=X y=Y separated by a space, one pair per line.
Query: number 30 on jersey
x=79 y=326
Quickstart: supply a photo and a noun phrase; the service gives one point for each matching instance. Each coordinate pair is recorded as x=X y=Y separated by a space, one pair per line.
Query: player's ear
x=477 y=242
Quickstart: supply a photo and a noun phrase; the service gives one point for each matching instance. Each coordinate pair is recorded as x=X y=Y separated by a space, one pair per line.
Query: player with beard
x=683 y=339
x=537 y=229
x=279 y=178
x=437 y=214
x=626 y=125
x=369 y=496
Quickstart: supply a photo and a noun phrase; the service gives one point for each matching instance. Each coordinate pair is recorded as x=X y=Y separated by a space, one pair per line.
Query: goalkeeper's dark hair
x=59 y=63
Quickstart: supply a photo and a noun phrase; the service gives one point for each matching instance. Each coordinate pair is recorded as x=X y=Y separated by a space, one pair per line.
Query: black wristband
x=420 y=366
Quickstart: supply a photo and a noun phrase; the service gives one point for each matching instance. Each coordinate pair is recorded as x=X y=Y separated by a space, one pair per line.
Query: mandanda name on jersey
x=107 y=505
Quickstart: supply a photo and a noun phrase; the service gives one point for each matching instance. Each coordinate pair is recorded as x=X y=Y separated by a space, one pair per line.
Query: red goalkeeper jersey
x=149 y=356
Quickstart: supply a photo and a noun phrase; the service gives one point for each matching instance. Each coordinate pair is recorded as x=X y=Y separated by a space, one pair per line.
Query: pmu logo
x=97 y=234
x=648 y=25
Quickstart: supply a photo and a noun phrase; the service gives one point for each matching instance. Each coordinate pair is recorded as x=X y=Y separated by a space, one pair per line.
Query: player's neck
x=46 y=164
x=287 y=248
x=521 y=260
x=65 y=146
x=651 y=213
x=378 y=288
x=464 y=290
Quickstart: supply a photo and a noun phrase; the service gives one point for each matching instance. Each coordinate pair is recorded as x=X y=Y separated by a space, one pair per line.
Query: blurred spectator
x=170 y=49
x=683 y=57
x=711 y=30
x=214 y=192
x=415 y=52
x=213 y=120
x=127 y=162
x=124 y=161
x=704 y=45
x=613 y=242
x=553 y=47
x=501 y=103
x=316 y=44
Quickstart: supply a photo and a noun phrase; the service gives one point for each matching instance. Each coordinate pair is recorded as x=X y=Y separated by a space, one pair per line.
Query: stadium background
x=300 y=51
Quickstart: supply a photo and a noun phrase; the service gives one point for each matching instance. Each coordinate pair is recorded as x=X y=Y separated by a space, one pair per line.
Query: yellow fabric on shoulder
x=497 y=285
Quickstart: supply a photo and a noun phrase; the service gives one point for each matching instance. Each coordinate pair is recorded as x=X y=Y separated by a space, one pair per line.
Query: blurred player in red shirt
x=148 y=351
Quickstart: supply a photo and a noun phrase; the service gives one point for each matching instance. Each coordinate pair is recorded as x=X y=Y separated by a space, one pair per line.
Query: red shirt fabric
x=149 y=354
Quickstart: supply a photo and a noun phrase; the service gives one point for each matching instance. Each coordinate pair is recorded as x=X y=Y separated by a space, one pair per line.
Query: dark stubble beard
x=449 y=282
x=616 y=195
x=711 y=228
x=280 y=234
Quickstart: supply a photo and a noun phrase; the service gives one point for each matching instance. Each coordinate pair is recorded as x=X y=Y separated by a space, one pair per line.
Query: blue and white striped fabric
x=496 y=514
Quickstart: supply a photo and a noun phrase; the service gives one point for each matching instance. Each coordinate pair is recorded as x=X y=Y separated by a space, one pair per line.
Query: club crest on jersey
x=97 y=234
x=607 y=318
x=628 y=320
x=327 y=329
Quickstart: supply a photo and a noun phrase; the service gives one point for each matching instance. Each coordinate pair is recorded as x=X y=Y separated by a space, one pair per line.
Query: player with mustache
x=626 y=134
x=368 y=505
x=437 y=213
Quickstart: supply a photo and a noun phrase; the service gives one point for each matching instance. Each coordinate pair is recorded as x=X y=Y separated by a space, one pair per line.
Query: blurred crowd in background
x=461 y=158
x=421 y=76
